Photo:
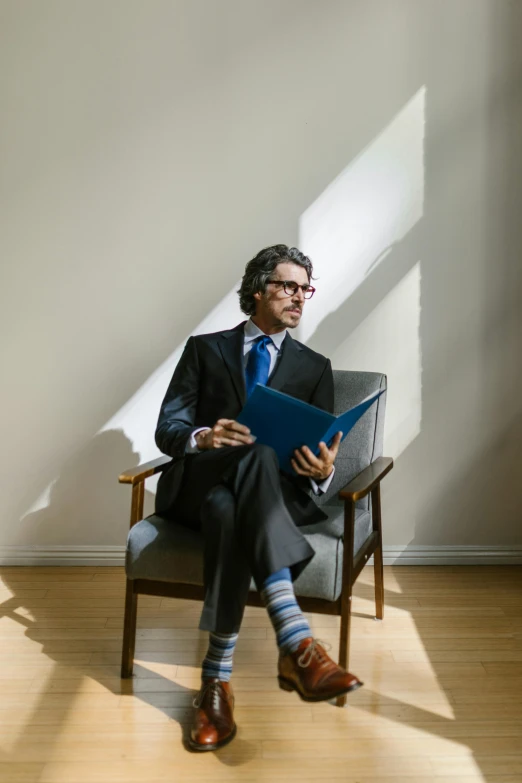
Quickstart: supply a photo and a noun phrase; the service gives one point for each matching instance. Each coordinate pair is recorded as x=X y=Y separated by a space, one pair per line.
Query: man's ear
x=258 y=295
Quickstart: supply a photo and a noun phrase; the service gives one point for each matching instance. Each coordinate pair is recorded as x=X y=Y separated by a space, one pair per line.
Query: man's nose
x=298 y=296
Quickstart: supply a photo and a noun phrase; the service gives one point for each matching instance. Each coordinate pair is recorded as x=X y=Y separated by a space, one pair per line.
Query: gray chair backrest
x=364 y=443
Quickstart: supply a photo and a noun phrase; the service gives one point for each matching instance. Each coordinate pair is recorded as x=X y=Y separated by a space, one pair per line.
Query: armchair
x=164 y=558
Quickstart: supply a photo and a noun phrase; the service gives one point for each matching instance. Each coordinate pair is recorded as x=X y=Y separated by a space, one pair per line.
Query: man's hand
x=305 y=463
x=225 y=432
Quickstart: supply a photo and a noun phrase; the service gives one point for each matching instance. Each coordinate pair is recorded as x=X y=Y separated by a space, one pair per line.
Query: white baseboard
x=76 y=555
x=55 y=555
x=452 y=555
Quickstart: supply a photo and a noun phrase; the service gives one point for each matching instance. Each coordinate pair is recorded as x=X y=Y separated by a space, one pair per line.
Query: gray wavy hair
x=260 y=269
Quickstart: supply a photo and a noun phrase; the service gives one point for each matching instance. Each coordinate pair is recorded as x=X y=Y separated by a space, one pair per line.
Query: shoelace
x=306 y=657
x=210 y=687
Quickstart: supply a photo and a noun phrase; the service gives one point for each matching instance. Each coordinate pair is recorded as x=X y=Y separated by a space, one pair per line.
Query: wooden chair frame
x=368 y=481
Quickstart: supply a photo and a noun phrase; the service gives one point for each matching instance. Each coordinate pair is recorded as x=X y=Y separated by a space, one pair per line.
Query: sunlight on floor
x=441 y=695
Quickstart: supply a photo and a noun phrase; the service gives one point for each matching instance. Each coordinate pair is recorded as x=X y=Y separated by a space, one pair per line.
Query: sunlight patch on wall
x=388 y=341
x=370 y=206
x=139 y=416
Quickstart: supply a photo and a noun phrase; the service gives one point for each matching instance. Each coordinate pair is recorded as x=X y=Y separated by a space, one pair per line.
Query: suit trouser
x=235 y=496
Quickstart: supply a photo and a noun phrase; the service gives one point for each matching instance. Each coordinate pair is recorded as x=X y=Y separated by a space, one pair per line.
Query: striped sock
x=218 y=660
x=289 y=623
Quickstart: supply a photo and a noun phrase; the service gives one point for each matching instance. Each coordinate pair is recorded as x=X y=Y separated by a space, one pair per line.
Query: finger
x=302 y=460
x=312 y=459
x=226 y=431
x=336 y=442
x=243 y=440
x=334 y=447
x=297 y=469
x=236 y=438
x=236 y=427
x=229 y=442
x=324 y=451
x=299 y=458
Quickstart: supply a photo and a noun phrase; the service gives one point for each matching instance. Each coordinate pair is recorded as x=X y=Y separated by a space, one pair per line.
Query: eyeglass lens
x=292 y=288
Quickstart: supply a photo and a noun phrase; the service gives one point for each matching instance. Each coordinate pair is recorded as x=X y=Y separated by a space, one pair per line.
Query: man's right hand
x=225 y=432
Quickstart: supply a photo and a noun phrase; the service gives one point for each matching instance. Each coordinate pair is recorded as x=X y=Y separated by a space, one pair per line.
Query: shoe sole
x=198 y=748
x=288 y=685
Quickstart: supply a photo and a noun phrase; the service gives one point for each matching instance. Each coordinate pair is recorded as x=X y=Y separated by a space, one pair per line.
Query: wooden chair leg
x=131 y=598
x=346 y=590
x=377 y=556
x=344 y=644
x=129 y=630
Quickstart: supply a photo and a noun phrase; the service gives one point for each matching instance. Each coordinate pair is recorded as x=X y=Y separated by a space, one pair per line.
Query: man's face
x=275 y=306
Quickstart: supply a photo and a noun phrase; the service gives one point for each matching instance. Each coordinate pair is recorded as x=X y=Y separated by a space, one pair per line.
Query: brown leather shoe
x=213 y=725
x=312 y=673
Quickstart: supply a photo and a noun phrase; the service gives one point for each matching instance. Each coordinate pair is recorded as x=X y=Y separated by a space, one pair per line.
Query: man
x=222 y=482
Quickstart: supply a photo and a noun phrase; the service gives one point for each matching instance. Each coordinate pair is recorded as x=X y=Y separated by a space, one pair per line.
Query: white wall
x=149 y=149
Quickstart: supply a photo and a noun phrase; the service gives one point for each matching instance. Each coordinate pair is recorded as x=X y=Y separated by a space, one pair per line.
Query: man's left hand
x=305 y=463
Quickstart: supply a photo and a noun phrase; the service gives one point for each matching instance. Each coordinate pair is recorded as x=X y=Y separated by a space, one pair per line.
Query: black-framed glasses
x=291 y=288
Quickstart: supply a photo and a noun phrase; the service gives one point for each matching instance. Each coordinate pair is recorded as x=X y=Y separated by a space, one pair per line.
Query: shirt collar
x=252 y=331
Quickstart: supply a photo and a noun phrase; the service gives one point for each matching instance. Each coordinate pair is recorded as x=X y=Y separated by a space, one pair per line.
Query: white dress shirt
x=252 y=332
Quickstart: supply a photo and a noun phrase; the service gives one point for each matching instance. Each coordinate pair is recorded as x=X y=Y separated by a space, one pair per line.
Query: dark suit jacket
x=209 y=384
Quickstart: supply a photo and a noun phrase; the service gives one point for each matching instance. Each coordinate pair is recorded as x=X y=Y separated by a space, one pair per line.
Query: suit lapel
x=231 y=345
x=289 y=363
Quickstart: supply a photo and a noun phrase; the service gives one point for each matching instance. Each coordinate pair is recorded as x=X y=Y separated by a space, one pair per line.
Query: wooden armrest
x=141 y=472
x=367 y=479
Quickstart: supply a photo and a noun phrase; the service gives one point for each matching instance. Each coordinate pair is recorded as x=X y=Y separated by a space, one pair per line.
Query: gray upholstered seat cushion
x=166 y=551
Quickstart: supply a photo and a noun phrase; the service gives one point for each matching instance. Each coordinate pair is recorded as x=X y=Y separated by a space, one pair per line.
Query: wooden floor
x=442 y=699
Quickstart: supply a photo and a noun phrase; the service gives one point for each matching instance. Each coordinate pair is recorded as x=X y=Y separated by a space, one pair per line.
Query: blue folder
x=286 y=423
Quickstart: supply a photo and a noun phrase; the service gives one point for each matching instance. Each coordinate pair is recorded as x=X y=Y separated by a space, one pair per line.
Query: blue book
x=286 y=423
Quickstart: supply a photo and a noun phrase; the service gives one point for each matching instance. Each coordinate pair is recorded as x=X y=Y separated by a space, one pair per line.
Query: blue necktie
x=258 y=364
